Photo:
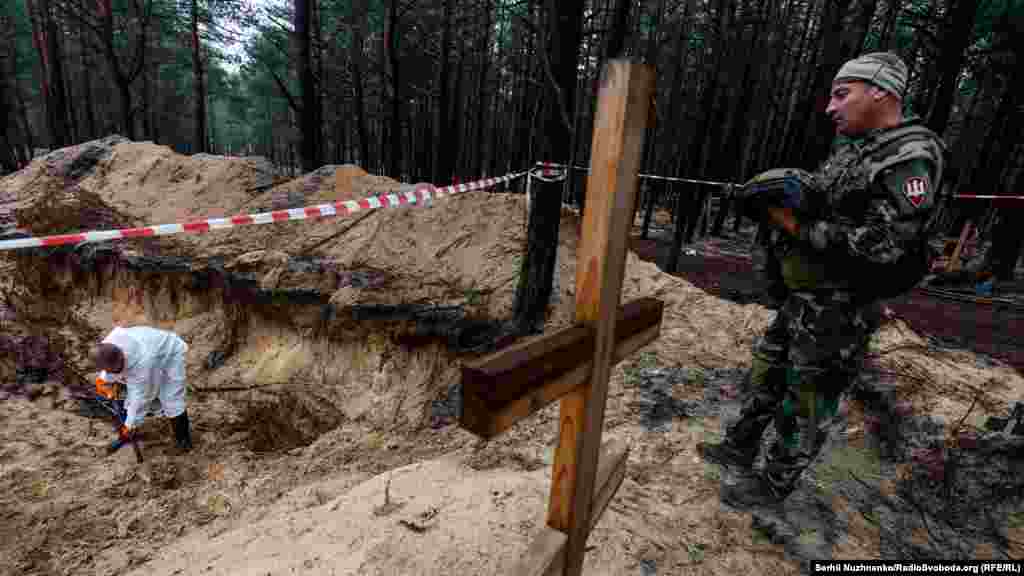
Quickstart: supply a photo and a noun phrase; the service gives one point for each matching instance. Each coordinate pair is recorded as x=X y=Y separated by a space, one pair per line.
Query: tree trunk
x=536 y=276
x=310 y=112
x=358 y=56
x=125 y=91
x=481 y=92
x=857 y=32
x=426 y=110
x=819 y=137
x=26 y=127
x=121 y=80
x=887 y=36
x=395 y=158
x=453 y=145
x=713 y=115
x=791 y=90
x=740 y=127
x=678 y=231
x=38 y=22
x=620 y=27
x=677 y=101
x=443 y=102
x=650 y=156
x=147 y=107
x=527 y=102
x=155 y=105
x=8 y=162
x=54 y=90
x=730 y=30
x=8 y=88
x=199 y=137
x=956 y=36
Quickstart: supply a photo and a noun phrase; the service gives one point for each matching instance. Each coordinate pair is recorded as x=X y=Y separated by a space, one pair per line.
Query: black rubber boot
x=182 y=432
x=726 y=454
x=754 y=491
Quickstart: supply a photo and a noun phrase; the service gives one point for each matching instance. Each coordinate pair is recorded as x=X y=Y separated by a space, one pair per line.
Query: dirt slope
x=298 y=432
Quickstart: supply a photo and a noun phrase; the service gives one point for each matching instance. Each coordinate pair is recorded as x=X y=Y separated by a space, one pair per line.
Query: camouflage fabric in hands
x=880 y=193
x=783 y=187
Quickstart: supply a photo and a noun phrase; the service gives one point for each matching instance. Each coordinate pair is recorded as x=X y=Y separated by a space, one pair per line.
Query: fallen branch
x=237 y=389
x=960 y=424
x=899 y=348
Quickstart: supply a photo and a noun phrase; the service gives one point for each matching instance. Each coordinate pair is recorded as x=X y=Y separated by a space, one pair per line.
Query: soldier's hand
x=785 y=219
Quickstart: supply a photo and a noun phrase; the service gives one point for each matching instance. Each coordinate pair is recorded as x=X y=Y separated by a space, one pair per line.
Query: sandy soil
x=323 y=457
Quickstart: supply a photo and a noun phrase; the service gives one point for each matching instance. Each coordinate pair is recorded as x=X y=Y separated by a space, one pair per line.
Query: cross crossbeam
x=574 y=364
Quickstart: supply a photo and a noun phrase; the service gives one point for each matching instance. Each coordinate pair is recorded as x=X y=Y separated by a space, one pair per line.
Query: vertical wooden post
x=954 y=261
x=652 y=200
x=619 y=128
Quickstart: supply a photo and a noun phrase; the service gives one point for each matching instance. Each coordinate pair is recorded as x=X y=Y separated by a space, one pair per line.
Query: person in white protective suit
x=151 y=364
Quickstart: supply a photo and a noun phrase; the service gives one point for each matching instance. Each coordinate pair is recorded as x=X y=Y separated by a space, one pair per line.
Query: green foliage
x=695 y=552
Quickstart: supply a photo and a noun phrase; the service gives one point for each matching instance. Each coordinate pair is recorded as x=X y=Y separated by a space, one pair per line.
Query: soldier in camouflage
x=864 y=240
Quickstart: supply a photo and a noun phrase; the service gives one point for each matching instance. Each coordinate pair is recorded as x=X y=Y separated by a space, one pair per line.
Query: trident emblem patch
x=916 y=188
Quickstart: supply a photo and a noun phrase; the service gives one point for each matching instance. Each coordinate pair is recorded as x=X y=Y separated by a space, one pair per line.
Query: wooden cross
x=574 y=364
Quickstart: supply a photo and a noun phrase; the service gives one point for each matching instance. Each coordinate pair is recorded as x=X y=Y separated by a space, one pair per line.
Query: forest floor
x=343 y=457
x=949 y=313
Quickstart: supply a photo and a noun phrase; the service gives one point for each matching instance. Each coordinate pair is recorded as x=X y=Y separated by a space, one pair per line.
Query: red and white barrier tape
x=988 y=197
x=548 y=165
x=419 y=195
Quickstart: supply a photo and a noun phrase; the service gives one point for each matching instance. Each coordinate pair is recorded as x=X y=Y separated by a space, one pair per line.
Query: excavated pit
x=293 y=362
x=293 y=328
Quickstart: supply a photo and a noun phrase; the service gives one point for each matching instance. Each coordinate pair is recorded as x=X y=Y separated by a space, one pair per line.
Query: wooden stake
x=619 y=128
x=546 y=555
x=954 y=261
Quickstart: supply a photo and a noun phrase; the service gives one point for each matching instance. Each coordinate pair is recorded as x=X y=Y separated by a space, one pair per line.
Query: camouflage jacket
x=877 y=192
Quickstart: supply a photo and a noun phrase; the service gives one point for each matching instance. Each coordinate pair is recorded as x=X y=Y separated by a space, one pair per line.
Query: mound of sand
x=296 y=431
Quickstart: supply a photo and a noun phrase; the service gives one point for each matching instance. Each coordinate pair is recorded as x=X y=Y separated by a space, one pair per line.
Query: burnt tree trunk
x=537 y=273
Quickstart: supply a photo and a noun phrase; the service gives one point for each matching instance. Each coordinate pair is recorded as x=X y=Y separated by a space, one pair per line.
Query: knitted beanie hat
x=883 y=69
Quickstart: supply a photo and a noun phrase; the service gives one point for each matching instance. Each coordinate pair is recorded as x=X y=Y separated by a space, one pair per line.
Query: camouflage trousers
x=802 y=365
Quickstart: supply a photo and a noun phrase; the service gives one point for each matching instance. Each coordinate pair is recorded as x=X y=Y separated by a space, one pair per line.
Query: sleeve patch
x=916 y=189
